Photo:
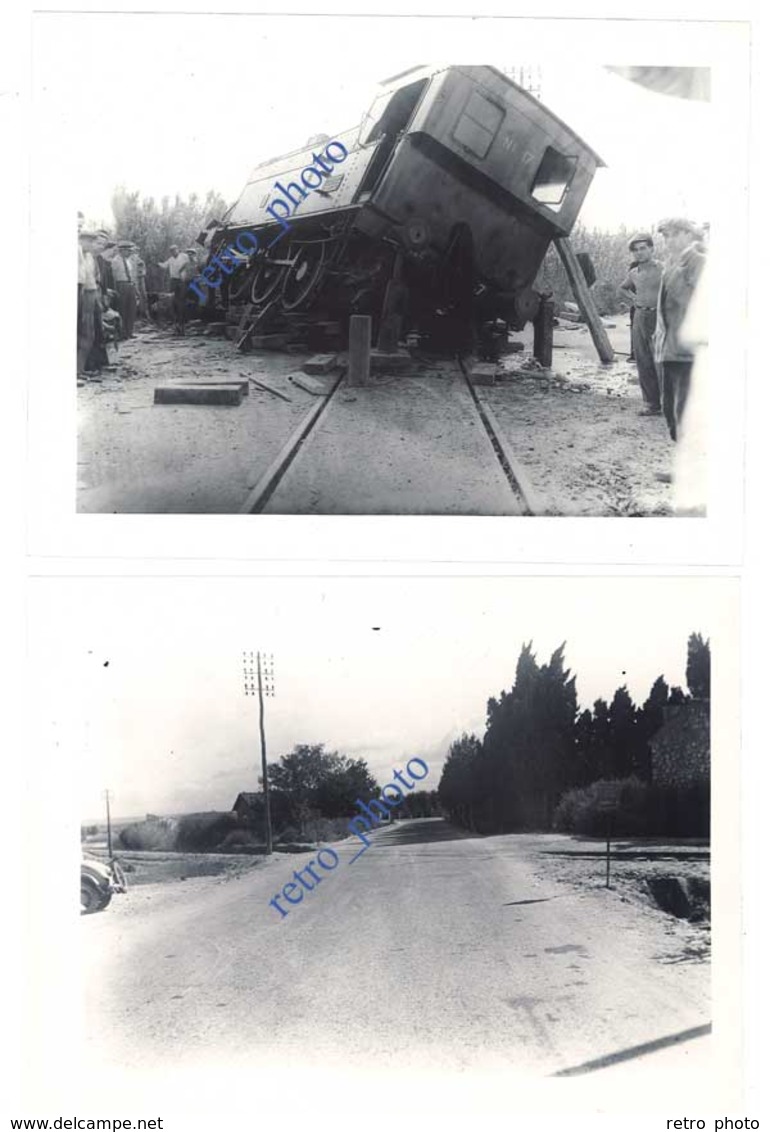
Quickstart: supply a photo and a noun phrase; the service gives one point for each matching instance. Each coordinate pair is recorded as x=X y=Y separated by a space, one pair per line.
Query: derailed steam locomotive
x=453 y=187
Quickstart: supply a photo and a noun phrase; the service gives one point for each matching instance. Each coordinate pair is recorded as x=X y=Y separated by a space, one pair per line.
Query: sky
x=206 y=98
x=139 y=684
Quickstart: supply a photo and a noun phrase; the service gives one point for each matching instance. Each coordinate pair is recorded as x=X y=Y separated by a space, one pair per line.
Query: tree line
x=537 y=744
x=155 y=227
x=611 y=260
x=311 y=783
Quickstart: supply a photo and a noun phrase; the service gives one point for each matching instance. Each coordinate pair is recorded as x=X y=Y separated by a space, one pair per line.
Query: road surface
x=432 y=948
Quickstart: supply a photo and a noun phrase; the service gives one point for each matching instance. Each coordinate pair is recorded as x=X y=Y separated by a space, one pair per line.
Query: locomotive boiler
x=453 y=186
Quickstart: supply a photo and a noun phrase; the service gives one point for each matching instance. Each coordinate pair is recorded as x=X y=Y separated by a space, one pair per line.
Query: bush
x=241 y=841
x=154 y=834
x=651 y=811
x=680 y=812
x=289 y=833
x=579 y=810
x=202 y=833
x=326 y=829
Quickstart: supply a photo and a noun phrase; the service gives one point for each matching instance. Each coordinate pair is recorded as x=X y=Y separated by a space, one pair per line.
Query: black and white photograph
x=384 y=567
x=447 y=825
x=387 y=287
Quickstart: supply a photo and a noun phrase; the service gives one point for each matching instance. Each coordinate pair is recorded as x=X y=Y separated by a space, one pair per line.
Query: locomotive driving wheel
x=265 y=281
x=239 y=284
x=304 y=275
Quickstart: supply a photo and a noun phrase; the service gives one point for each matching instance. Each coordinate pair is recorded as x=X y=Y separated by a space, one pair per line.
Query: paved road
x=433 y=946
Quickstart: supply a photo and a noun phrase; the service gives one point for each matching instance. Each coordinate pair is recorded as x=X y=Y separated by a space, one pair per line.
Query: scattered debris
x=397 y=362
x=321 y=363
x=269 y=389
x=483 y=373
x=317 y=388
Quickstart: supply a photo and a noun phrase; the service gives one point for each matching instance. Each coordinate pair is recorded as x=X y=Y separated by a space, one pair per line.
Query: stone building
x=681 y=749
x=681 y=770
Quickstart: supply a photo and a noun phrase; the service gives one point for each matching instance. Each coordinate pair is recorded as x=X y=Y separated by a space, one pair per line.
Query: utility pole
x=109 y=823
x=260 y=665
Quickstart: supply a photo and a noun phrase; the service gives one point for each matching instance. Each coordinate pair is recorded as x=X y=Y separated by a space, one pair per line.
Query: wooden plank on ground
x=320 y=363
x=243 y=382
x=198 y=394
x=309 y=384
x=269 y=389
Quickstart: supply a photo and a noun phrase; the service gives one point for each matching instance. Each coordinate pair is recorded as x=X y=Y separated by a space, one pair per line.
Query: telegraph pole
x=109 y=823
x=261 y=666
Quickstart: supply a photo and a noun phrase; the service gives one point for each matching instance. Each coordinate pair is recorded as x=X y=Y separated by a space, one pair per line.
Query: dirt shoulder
x=579 y=864
x=576 y=428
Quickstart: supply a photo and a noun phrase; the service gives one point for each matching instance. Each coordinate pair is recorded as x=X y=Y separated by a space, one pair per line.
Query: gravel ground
x=138 y=457
x=410 y=444
x=577 y=432
x=579 y=863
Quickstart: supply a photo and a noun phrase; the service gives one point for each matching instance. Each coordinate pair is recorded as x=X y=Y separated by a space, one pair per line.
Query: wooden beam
x=268 y=389
x=584 y=300
x=359 y=349
x=393 y=305
x=543 y=323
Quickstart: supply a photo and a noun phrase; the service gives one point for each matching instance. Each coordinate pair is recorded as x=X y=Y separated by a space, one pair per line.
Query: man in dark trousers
x=685 y=259
x=177 y=265
x=640 y=289
x=124 y=272
x=631 y=355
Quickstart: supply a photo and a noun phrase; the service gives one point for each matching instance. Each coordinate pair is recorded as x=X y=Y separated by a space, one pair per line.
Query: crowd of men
x=112 y=293
x=660 y=296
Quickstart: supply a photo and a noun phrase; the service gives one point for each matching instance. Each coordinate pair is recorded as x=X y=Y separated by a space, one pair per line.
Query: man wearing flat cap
x=640 y=288
x=686 y=257
x=103 y=265
x=124 y=274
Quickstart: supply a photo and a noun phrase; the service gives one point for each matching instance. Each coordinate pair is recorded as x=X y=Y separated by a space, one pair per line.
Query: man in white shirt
x=176 y=264
x=124 y=275
x=88 y=302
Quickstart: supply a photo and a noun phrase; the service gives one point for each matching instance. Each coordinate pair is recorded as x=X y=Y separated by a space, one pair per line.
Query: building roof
x=250 y=797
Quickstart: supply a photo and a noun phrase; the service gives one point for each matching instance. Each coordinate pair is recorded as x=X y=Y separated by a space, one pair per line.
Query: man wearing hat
x=686 y=257
x=640 y=288
x=105 y=248
x=124 y=274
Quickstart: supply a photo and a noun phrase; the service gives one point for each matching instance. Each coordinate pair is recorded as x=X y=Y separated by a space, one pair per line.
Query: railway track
x=299 y=447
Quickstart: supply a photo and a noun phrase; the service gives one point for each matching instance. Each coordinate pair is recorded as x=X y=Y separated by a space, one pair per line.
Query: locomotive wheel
x=304 y=275
x=239 y=285
x=266 y=280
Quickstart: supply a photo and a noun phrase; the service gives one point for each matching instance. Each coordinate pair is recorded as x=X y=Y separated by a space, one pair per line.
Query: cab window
x=553 y=178
x=477 y=126
x=390 y=113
